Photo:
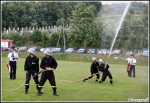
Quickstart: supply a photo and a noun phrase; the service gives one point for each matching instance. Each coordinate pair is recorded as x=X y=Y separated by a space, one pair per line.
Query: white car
x=42 y=49
x=70 y=50
x=103 y=51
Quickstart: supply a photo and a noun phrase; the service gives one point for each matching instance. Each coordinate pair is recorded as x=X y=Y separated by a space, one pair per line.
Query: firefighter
x=31 y=67
x=104 y=68
x=12 y=57
x=48 y=63
x=94 y=69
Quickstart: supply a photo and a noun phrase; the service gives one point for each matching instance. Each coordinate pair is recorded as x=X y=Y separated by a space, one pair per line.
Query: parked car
x=81 y=51
x=57 y=50
x=70 y=50
x=42 y=49
x=145 y=53
x=108 y=52
x=103 y=51
x=117 y=52
x=52 y=49
x=23 y=49
x=36 y=49
x=91 y=51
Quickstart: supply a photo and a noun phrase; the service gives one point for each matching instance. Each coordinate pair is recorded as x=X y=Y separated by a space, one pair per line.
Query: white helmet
x=93 y=58
x=47 y=52
x=100 y=60
x=31 y=50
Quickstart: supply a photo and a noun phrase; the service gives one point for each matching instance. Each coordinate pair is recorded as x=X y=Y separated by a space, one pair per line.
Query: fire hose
x=30 y=79
x=87 y=77
x=46 y=70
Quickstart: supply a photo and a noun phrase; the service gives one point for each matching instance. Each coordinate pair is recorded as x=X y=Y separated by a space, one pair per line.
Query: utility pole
x=63 y=33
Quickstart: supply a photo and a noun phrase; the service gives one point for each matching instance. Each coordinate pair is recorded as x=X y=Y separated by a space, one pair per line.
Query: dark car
x=91 y=51
x=117 y=52
x=81 y=51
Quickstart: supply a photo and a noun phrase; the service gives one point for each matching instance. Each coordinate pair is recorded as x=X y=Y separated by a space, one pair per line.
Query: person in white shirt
x=131 y=63
x=12 y=57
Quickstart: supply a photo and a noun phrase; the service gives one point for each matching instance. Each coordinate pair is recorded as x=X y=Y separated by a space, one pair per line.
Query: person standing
x=104 y=68
x=12 y=57
x=131 y=65
x=31 y=67
x=94 y=69
x=49 y=64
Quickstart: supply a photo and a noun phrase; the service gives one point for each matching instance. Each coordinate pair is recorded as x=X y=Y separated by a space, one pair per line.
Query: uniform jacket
x=94 y=67
x=32 y=64
x=102 y=69
x=48 y=62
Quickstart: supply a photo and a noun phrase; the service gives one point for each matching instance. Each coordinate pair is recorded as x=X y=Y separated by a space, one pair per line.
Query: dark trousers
x=12 y=69
x=105 y=74
x=50 y=76
x=129 y=74
x=28 y=77
x=132 y=68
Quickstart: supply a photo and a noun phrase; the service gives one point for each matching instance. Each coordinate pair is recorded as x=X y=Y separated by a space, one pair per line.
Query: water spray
x=121 y=21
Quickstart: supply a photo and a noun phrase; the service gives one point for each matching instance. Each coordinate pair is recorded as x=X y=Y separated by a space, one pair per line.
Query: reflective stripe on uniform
x=33 y=63
x=26 y=84
x=40 y=86
x=53 y=86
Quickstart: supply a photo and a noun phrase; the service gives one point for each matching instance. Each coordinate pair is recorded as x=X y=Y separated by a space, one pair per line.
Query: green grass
x=69 y=90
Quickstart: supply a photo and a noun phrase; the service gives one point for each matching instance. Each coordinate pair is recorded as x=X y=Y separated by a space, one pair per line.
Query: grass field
x=123 y=89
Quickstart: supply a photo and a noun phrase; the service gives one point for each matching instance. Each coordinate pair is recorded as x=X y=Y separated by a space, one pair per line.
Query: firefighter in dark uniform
x=104 y=68
x=48 y=63
x=12 y=57
x=31 y=67
x=94 y=69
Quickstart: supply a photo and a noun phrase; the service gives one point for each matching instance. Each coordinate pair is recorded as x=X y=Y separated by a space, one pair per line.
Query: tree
x=37 y=37
x=82 y=18
x=17 y=38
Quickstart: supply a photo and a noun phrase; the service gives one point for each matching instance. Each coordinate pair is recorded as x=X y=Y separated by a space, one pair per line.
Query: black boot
x=26 y=91
x=96 y=81
x=39 y=93
x=54 y=92
x=26 y=88
x=100 y=82
x=10 y=75
x=111 y=82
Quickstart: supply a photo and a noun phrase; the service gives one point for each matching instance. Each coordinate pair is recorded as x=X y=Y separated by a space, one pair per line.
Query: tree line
x=87 y=28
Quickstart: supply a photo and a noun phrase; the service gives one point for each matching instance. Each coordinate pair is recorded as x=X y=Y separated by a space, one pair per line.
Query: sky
x=110 y=2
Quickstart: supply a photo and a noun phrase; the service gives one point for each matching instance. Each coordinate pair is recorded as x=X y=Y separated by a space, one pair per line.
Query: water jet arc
x=120 y=24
